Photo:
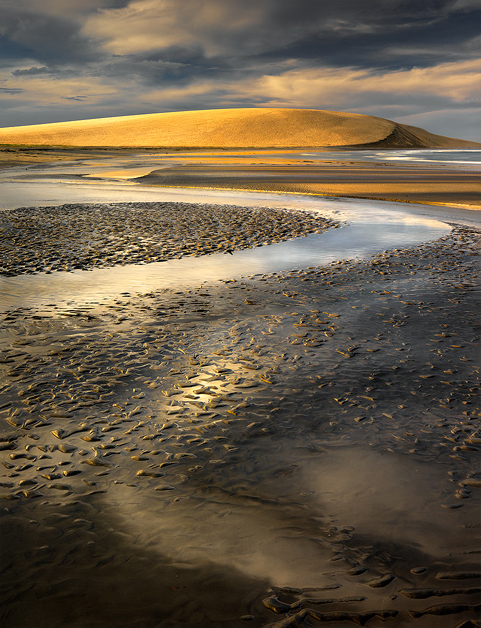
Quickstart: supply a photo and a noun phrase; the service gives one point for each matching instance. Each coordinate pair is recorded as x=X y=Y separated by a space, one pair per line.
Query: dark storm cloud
x=248 y=28
x=12 y=92
x=77 y=98
x=345 y=31
x=31 y=71
x=139 y=56
x=46 y=39
x=445 y=40
x=50 y=30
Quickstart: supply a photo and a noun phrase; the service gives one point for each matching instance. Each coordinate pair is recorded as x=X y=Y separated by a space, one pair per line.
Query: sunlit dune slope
x=230 y=128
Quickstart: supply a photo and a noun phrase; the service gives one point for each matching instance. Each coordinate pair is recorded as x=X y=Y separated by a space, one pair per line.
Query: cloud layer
x=401 y=59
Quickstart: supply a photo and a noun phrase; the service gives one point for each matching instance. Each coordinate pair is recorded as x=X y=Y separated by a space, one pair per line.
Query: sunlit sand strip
x=130 y=173
x=326 y=195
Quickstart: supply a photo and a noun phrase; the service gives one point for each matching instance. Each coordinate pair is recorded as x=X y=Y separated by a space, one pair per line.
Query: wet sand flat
x=287 y=449
x=385 y=181
x=291 y=449
x=273 y=171
x=79 y=236
x=16 y=156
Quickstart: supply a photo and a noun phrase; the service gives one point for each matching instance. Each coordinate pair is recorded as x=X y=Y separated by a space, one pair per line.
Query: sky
x=413 y=61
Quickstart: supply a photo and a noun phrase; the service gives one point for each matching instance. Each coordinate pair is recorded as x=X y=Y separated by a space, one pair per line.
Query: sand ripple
x=78 y=236
x=240 y=451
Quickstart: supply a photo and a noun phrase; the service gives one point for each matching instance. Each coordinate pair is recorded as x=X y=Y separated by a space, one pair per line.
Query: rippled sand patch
x=81 y=236
x=249 y=450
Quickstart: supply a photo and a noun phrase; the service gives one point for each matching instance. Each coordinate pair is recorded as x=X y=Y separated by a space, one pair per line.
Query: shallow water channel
x=368 y=227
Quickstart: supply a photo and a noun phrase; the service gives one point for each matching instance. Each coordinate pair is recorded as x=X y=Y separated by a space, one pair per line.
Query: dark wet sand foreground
x=86 y=237
x=294 y=449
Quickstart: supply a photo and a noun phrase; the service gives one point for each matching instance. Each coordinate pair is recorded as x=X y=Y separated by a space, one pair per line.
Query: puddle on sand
x=392 y=498
x=285 y=530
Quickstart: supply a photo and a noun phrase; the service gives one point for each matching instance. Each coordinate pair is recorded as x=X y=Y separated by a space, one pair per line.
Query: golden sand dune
x=231 y=128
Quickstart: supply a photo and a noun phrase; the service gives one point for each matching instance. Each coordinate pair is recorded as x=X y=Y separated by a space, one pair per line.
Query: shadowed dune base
x=230 y=128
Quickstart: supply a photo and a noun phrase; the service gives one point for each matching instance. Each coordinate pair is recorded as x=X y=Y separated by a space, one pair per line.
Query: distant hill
x=231 y=128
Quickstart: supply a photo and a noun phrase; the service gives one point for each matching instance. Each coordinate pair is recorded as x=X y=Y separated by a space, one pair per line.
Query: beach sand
x=19 y=156
x=79 y=237
x=272 y=171
x=289 y=449
x=283 y=450
x=385 y=181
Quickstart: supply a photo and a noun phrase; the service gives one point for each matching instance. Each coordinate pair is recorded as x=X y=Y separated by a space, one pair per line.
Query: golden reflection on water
x=128 y=173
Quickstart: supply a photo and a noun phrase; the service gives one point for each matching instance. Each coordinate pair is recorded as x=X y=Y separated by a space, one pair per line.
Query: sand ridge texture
x=231 y=128
x=320 y=424
x=387 y=181
x=79 y=236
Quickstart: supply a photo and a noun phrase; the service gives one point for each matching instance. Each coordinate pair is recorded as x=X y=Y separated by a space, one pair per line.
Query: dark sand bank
x=295 y=449
x=88 y=236
x=18 y=156
x=13 y=156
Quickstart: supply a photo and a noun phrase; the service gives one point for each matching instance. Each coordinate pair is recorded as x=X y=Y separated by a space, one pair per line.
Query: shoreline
x=86 y=236
x=414 y=200
x=122 y=242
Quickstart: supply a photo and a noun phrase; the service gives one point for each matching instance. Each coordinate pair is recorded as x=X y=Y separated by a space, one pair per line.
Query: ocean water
x=465 y=159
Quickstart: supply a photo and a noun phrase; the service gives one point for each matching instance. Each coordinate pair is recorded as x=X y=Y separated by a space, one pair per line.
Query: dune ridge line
x=231 y=128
